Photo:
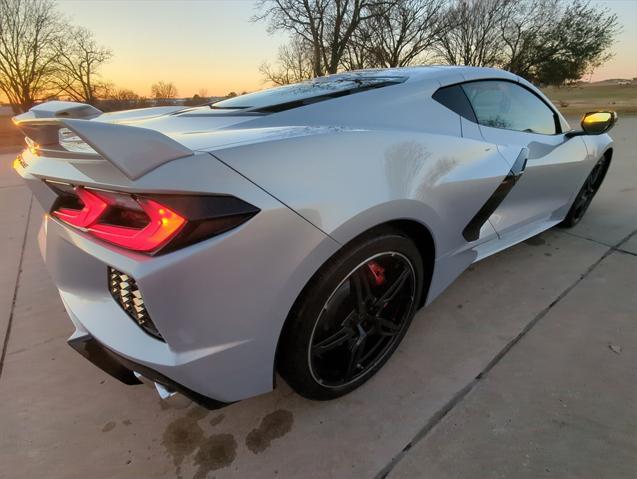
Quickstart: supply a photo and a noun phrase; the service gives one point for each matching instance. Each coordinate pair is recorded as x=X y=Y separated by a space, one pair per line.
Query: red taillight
x=162 y=226
x=94 y=207
x=145 y=224
x=161 y=223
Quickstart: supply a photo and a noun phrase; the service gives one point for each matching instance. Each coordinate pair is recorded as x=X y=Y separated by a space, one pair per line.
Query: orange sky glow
x=213 y=45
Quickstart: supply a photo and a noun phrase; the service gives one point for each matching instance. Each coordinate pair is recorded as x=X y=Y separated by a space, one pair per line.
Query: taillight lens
x=146 y=223
x=93 y=206
x=162 y=225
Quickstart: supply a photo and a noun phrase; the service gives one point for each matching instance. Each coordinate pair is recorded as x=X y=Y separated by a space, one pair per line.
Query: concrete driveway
x=525 y=367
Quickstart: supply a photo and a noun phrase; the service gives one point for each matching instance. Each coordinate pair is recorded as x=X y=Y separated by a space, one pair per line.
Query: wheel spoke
x=581 y=202
x=594 y=176
x=356 y=353
x=393 y=289
x=386 y=327
x=362 y=291
x=334 y=340
x=373 y=350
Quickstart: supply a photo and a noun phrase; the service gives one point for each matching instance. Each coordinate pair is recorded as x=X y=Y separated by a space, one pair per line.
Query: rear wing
x=60 y=109
x=133 y=150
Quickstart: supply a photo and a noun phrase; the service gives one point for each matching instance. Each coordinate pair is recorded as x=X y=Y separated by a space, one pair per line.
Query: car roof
x=433 y=72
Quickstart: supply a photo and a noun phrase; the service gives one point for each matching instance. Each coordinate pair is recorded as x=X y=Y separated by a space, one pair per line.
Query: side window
x=501 y=104
x=455 y=99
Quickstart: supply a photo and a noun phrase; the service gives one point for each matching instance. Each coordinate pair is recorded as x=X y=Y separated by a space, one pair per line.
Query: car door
x=512 y=116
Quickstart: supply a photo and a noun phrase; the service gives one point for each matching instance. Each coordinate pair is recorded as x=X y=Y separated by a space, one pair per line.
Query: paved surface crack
x=462 y=393
x=619 y=250
x=615 y=247
x=15 y=288
x=575 y=235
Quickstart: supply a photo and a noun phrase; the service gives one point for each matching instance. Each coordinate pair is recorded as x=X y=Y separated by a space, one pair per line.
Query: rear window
x=299 y=94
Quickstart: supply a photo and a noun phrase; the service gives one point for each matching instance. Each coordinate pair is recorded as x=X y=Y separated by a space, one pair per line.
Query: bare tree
x=526 y=24
x=163 y=92
x=552 y=42
x=400 y=35
x=29 y=30
x=475 y=35
x=326 y=25
x=121 y=99
x=79 y=58
x=357 y=53
x=294 y=64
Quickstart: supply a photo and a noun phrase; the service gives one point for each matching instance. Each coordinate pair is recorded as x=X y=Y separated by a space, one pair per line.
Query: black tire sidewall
x=292 y=355
x=571 y=220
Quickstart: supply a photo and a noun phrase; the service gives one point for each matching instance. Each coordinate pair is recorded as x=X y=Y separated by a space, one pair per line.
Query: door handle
x=471 y=232
x=520 y=162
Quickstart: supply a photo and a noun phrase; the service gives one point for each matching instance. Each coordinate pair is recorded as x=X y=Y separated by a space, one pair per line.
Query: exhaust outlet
x=167 y=395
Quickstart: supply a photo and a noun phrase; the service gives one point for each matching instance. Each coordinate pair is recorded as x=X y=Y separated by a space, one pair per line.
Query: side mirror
x=595 y=123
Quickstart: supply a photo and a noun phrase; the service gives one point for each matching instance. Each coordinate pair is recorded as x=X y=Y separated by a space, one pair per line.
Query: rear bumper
x=219 y=319
x=123 y=369
x=218 y=304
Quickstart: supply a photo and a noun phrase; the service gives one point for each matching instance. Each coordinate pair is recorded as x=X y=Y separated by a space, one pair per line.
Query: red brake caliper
x=378 y=272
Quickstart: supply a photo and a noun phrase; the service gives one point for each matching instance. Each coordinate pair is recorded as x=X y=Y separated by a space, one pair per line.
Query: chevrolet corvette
x=296 y=229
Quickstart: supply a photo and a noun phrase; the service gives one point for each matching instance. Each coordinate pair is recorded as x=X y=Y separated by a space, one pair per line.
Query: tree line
x=549 y=42
x=43 y=56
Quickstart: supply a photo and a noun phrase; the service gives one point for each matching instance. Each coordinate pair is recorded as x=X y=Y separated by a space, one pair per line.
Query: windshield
x=320 y=88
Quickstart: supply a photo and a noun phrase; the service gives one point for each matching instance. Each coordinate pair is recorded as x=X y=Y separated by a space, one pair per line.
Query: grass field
x=571 y=100
x=594 y=96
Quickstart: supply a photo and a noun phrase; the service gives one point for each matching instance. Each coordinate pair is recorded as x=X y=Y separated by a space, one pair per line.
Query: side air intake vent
x=124 y=290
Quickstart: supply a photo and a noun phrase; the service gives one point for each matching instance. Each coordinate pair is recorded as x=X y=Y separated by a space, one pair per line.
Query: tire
x=586 y=193
x=360 y=302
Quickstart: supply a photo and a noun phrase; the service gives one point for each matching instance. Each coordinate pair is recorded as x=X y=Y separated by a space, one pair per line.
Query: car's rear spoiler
x=133 y=150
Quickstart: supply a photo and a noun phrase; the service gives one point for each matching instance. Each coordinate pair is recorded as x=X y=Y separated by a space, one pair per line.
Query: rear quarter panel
x=346 y=182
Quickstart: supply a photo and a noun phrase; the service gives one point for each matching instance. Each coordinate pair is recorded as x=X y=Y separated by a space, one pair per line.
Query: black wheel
x=586 y=193
x=352 y=316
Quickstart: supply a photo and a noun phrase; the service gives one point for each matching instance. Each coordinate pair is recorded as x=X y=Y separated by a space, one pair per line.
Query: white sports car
x=295 y=229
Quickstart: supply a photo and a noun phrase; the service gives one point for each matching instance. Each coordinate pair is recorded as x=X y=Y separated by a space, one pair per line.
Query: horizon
x=214 y=46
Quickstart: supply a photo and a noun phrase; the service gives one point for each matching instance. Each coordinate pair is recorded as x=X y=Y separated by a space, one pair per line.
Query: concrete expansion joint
x=459 y=396
x=618 y=246
x=623 y=251
x=592 y=240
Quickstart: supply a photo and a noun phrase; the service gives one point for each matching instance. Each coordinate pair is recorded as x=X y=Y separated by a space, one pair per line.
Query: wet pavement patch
x=216 y=452
x=109 y=426
x=273 y=426
x=183 y=436
x=216 y=420
x=535 y=241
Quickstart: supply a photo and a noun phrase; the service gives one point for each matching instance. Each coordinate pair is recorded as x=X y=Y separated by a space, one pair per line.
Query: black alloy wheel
x=352 y=316
x=362 y=319
x=587 y=193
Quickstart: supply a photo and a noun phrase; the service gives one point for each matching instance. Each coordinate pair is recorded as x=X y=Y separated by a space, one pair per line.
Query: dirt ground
x=594 y=96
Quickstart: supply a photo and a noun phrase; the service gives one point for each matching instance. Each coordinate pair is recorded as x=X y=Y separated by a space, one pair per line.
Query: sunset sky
x=213 y=45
